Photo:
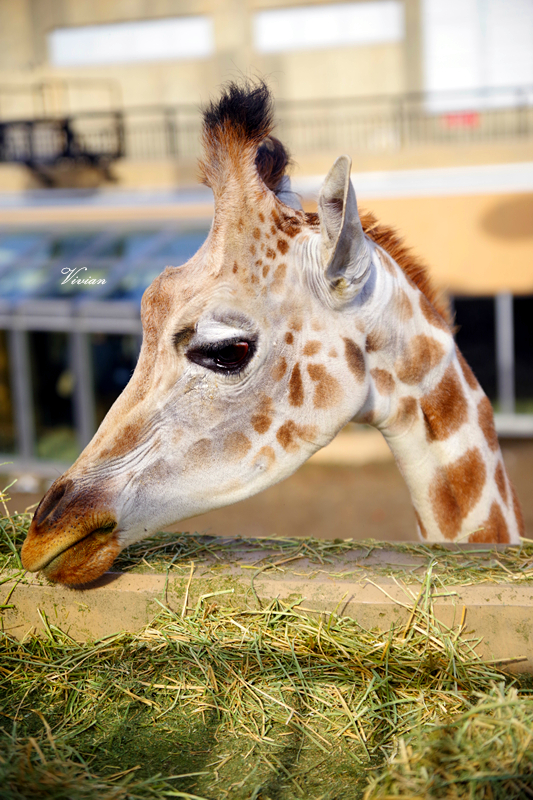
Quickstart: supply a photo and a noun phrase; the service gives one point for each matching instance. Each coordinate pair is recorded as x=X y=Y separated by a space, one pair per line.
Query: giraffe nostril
x=51 y=500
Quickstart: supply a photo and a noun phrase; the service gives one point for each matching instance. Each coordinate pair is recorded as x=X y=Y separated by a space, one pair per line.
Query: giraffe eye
x=233 y=355
x=229 y=357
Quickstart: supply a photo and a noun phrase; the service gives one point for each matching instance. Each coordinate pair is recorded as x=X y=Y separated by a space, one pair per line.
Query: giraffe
x=283 y=327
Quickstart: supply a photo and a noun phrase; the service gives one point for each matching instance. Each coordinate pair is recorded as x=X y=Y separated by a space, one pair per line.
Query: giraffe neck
x=437 y=421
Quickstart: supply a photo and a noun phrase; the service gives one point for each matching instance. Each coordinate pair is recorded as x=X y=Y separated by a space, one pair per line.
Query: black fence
x=373 y=124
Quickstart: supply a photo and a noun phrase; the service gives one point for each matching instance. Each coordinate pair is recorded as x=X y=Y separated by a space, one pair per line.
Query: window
x=123 y=42
x=341 y=24
x=469 y=45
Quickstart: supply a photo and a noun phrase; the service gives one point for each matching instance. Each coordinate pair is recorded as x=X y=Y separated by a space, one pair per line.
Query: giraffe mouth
x=75 y=562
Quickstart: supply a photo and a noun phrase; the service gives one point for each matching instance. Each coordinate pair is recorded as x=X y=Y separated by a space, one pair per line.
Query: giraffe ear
x=344 y=250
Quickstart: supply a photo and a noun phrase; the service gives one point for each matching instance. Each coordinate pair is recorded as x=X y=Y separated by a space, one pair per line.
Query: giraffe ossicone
x=282 y=328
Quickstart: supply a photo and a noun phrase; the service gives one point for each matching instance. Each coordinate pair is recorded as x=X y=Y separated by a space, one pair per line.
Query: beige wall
x=473 y=244
x=347 y=71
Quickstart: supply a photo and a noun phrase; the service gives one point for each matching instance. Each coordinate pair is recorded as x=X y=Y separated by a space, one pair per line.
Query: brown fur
x=354 y=358
x=280 y=368
x=236 y=445
x=383 y=380
x=420 y=356
x=486 y=422
x=499 y=477
x=327 y=389
x=289 y=433
x=445 y=408
x=262 y=419
x=494 y=529
x=407 y=412
x=312 y=347
x=296 y=387
x=455 y=490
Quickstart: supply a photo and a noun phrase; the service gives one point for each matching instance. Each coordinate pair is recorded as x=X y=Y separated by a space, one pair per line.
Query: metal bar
x=84 y=406
x=22 y=392
x=504 y=330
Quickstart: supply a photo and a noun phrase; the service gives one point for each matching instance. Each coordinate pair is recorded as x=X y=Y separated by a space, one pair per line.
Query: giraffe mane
x=386 y=237
x=237 y=128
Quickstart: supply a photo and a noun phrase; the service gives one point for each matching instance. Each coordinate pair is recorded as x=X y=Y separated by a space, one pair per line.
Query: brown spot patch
x=383 y=380
x=197 y=455
x=125 y=441
x=445 y=408
x=312 y=347
x=273 y=230
x=470 y=378
x=266 y=270
x=402 y=305
x=235 y=268
x=253 y=249
x=262 y=419
x=501 y=483
x=423 y=532
x=333 y=353
x=421 y=355
x=236 y=445
x=296 y=387
x=261 y=216
x=289 y=337
x=354 y=358
x=266 y=454
x=279 y=370
x=279 y=277
x=290 y=432
x=290 y=225
x=256 y=233
x=327 y=389
x=376 y=340
x=518 y=512
x=406 y=413
x=270 y=253
x=486 y=422
x=283 y=246
x=431 y=314
x=494 y=529
x=455 y=489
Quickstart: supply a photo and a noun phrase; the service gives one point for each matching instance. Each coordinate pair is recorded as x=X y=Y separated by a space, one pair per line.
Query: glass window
x=125 y=42
x=333 y=25
x=19 y=282
x=17 y=246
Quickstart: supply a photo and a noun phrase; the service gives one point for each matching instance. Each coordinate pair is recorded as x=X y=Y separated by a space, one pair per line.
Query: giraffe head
x=243 y=372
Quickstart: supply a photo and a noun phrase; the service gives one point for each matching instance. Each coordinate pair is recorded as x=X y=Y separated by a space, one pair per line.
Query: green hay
x=262 y=704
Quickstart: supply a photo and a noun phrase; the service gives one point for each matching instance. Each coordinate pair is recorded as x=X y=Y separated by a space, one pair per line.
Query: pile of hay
x=264 y=704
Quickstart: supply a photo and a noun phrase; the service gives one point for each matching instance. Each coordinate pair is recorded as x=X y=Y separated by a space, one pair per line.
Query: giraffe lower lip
x=100 y=533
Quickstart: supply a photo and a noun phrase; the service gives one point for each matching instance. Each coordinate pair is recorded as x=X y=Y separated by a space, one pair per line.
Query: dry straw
x=262 y=704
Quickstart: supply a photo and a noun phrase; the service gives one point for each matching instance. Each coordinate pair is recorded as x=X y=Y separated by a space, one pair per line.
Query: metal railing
x=374 y=124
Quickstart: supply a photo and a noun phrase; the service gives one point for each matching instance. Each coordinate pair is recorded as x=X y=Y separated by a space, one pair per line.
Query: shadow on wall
x=510 y=219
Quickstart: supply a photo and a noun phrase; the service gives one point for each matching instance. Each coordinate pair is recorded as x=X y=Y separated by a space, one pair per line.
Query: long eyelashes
x=230 y=356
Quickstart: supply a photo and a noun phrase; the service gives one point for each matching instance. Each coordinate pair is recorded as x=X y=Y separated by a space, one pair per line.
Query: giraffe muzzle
x=73 y=537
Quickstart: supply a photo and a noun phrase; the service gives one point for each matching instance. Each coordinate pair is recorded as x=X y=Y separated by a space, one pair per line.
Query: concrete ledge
x=497 y=614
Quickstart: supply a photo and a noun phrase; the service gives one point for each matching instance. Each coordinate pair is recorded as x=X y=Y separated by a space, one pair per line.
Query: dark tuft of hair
x=245 y=109
x=272 y=160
